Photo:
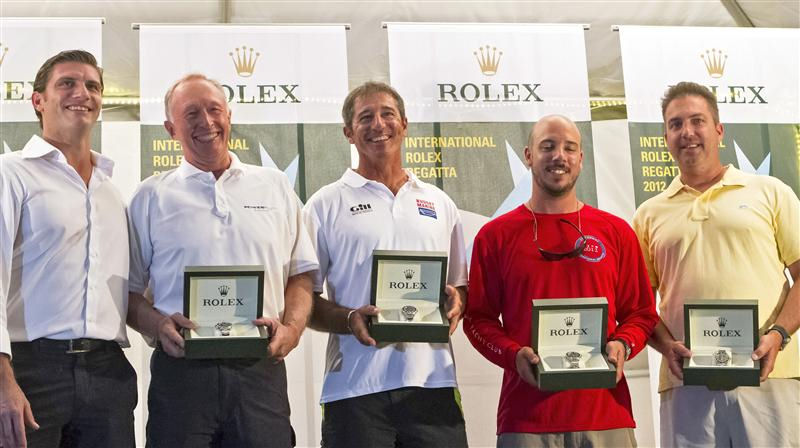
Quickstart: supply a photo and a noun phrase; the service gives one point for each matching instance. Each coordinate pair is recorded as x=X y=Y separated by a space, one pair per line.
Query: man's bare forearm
x=789 y=317
x=328 y=316
x=298 y=304
x=142 y=317
x=661 y=338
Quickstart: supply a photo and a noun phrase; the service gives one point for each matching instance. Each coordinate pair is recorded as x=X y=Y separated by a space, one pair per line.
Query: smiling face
x=692 y=136
x=555 y=156
x=199 y=119
x=377 y=129
x=71 y=99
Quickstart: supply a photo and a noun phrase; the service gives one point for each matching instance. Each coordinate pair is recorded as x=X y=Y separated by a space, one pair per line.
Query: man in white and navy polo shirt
x=389 y=394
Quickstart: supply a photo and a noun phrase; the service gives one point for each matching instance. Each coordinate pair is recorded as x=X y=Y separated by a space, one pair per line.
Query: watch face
x=572 y=360
x=224 y=328
x=721 y=358
x=408 y=312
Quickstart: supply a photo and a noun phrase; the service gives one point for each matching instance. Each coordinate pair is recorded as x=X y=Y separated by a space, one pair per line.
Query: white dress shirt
x=63 y=249
x=187 y=217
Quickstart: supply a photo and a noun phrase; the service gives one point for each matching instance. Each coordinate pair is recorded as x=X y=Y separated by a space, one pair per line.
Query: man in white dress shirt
x=63 y=275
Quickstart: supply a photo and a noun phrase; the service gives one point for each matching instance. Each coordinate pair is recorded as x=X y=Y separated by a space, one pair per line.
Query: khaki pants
x=765 y=416
x=618 y=438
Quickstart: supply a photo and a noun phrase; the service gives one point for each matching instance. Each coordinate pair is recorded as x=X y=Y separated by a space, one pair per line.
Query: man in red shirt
x=532 y=253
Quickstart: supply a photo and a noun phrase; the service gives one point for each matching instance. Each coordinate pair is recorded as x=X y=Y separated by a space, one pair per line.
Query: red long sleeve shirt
x=507 y=273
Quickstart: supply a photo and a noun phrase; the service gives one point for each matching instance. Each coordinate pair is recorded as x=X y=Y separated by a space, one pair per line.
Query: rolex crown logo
x=223 y=290
x=569 y=320
x=721 y=321
x=488 y=59
x=245 y=60
x=408 y=273
x=3 y=51
x=715 y=62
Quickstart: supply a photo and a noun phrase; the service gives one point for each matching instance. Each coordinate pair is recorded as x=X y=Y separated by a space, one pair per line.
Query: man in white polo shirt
x=63 y=275
x=382 y=395
x=215 y=210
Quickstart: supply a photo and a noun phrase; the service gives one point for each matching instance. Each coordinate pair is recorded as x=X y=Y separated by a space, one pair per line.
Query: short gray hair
x=189 y=77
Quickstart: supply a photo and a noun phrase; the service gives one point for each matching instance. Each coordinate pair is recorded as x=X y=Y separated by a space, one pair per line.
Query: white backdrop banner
x=754 y=74
x=489 y=73
x=472 y=92
x=285 y=86
x=25 y=43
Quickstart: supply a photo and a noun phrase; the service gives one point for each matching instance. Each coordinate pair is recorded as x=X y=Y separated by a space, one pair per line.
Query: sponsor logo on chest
x=426 y=208
x=594 y=250
x=359 y=209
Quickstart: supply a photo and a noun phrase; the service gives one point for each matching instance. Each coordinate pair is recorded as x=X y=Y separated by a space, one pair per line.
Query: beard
x=555 y=190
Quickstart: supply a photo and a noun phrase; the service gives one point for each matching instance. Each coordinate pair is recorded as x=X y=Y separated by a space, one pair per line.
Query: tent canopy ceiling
x=367 y=41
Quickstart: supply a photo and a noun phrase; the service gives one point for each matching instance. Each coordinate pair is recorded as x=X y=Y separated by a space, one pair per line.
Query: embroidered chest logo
x=426 y=208
x=360 y=208
x=594 y=250
x=258 y=207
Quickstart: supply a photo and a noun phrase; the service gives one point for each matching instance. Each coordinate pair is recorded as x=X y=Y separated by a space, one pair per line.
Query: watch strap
x=627 y=347
x=784 y=335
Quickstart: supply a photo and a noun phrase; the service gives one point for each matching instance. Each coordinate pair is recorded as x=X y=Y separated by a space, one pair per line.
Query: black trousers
x=217 y=403
x=79 y=400
x=407 y=417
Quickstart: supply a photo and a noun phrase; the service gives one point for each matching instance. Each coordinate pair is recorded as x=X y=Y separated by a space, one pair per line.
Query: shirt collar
x=732 y=177
x=186 y=169
x=39 y=148
x=355 y=180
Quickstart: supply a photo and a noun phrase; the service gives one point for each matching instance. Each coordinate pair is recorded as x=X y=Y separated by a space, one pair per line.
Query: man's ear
x=36 y=100
x=170 y=128
x=348 y=132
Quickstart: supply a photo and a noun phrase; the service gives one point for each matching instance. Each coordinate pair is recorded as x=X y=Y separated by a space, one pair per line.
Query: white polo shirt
x=350 y=218
x=187 y=217
x=63 y=249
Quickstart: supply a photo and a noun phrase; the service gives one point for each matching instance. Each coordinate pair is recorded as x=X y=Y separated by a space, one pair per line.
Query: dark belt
x=67 y=346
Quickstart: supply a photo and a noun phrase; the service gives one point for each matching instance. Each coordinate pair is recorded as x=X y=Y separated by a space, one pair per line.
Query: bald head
x=555 y=157
x=547 y=122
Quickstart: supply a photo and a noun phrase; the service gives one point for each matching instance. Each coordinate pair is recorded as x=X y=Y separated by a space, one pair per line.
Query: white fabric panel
x=25 y=44
x=754 y=71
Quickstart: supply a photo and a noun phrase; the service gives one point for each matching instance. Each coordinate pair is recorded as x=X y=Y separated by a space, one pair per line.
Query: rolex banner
x=754 y=74
x=285 y=86
x=25 y=43
x=472 y=93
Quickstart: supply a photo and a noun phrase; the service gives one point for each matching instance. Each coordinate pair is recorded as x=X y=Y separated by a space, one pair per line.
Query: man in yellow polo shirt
x=719 y=233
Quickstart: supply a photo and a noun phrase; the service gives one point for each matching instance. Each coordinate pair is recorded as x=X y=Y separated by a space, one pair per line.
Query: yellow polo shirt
x=732 y=241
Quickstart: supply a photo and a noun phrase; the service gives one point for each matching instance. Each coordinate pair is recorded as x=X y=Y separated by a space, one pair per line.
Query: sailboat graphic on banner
x=746 y=166
x=290 y=171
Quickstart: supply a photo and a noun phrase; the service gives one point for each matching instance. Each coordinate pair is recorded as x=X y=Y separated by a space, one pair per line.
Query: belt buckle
x=77 y=346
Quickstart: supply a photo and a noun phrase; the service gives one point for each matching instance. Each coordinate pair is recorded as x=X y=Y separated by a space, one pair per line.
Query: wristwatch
x=721 y=358
x=408 y=312
x=572 y=359
x=224 y=328
x=784 y=334
x=627 y=347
